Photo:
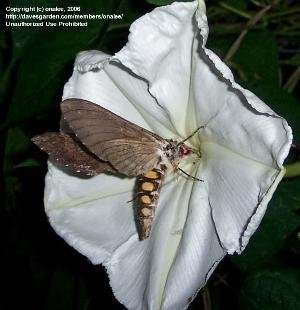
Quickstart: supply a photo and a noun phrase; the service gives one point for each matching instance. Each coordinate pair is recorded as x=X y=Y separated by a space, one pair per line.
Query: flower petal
x=159 y=49
x=111 y=85
x=234 y=117
x=198 y=253
x=243 y=143
x=238 y=190
x=168 y=269
x=92 y=215
x=77 y=208
x=139 y=270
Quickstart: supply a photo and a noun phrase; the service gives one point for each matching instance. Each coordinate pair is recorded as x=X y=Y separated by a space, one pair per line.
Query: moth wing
x=64 y=150
x=129 y=148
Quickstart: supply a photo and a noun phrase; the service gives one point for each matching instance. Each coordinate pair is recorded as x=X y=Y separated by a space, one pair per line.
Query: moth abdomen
x=148 y=188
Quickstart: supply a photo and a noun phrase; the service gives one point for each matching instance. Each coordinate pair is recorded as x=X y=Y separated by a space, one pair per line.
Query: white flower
x=165 y=80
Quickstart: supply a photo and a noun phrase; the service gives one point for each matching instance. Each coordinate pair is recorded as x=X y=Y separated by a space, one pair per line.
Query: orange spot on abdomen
x=151 y=175
x=148 y=186
x=145 y=199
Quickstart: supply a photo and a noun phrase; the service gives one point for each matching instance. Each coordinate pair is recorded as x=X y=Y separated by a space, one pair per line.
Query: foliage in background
x=260 y=41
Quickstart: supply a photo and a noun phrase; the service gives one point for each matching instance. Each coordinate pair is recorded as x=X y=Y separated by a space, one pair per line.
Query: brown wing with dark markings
x=130 y=149
x=64 y=150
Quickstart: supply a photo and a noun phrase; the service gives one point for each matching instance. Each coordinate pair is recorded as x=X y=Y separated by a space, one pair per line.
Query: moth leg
x=190 y=176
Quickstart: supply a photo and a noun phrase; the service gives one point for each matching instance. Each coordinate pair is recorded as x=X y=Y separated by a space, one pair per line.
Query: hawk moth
x=94 y=140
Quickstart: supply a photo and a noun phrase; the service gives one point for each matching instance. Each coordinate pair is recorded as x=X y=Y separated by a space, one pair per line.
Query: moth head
x=175 y=150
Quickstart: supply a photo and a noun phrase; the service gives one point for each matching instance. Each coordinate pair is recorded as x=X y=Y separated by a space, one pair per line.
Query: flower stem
x=206 y=299
x=235 y=10
x=293 y=80
x=252 y=21
x=284 y=13
x=292 y=170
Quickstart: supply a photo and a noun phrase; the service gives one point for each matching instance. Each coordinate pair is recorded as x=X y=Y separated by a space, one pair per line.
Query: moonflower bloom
x=166 y=81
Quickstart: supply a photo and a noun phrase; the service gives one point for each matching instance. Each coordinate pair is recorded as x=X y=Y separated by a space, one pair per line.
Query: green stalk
x=235 y=10
x=292 y=170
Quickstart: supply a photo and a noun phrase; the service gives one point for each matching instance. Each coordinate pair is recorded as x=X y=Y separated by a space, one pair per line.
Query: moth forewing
x=130 y=149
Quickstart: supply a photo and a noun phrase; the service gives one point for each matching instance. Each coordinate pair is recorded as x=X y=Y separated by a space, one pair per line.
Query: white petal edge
x=98 y=79
x=168 y=269
x=156 y=52
x=238 y=192
x=141 y=59
x=136 y=267
x=255 y=103
x=278 y=147
x=90 y=60
x=259 y=213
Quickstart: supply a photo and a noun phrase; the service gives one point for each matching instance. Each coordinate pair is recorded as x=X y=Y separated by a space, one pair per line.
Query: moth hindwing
x=66 y=151
x=101 y=141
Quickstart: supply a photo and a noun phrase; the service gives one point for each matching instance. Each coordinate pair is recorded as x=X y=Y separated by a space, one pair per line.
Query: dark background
x=38 y=269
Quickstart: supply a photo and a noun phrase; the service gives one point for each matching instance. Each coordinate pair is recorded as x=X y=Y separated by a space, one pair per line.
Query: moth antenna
x=190 y=176
x=181 y=142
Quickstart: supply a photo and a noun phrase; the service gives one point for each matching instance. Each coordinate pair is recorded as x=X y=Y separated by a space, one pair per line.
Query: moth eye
x=184 y=150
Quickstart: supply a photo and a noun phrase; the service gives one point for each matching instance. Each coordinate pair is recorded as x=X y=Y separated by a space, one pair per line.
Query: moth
x=93 y=140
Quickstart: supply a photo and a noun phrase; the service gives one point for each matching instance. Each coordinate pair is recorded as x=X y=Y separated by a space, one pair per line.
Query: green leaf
x=45 y=57
x=69 y=288
x=2 y=39
x=130 y=12
x=62 y=288
x=28 y=163
x=2 y=52
x=17 y=144
x=278 y=223
x=20 y=35
x=271 y=290
x=293 y=61
x=117 y=33
x=219 y=43
x=257 y=58
x=164 y=2
x=237 y=4
x=283 y=103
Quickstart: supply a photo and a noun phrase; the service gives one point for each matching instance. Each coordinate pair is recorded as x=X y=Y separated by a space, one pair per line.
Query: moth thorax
x=148 y=188
x=174 y=151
